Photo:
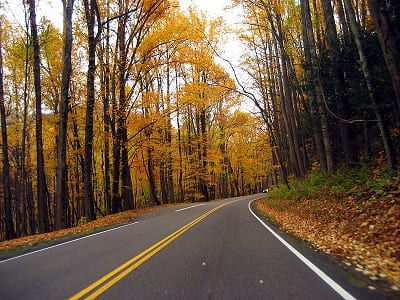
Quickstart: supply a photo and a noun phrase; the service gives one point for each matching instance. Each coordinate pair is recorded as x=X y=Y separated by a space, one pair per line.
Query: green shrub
x=340 y=183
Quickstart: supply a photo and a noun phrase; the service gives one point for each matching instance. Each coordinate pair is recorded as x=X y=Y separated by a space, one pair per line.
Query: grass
x=343 y=182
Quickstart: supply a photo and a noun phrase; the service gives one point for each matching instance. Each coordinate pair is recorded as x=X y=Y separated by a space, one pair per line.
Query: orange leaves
x=115 y=219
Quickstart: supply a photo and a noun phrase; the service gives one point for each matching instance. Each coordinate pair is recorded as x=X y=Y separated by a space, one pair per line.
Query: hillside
x=353 y=215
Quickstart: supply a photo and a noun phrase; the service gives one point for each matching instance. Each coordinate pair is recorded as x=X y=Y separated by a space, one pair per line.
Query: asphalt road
x=215 y=250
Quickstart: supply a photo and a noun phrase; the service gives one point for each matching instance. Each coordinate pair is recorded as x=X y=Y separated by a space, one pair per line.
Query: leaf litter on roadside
x=363 y=232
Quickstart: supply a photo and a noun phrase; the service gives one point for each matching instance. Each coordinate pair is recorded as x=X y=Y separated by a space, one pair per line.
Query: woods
x=127 y=106
x=321 y=82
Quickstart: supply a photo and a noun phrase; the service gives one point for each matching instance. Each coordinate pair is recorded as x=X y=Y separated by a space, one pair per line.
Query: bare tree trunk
x=106 y=92
x=41 y=176
x=387 y=41
x=224 y=180
x=26 y=182
x=150 y=175
x=116 y=142
x=163 y=182
x=91 y=12
x=126 y=196
x=286 y=93
x=316 y=90
x=168 y=133
x=9 y=224
x=61 y=193
x=128 y=200
x=116 y=174
x=181 y=195
x=338 y=79
x=343 y=26
x=203 y=182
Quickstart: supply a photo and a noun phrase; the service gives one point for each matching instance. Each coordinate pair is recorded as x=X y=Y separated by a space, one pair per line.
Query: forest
x=128 y=105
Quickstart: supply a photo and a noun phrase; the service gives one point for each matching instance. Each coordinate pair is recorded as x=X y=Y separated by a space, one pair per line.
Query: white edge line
x=69 y=242
x=189 y=207
x=335 y=286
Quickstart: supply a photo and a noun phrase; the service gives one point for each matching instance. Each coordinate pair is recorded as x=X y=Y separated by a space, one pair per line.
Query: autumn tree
x=294 y=49
x=61 y=188
x=92 y=14
x=9 y=223
x=273 y=73
x=41 y=176
x=164 y=131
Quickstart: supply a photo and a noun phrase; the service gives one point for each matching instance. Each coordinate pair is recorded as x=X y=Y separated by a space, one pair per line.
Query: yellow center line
x=111 y=278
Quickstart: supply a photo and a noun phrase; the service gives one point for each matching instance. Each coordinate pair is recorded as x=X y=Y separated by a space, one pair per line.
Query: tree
x=9 y=223
x=166 y=110
x=339 y=84
x=105 y=91
x=41 y=176
x=380 y=15
x=267 y=23
x=385 y=135
x=314 y=91
x=61 y=193
x=91 y=13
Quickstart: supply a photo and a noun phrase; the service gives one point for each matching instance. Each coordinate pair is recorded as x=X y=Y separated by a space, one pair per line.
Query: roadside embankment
x=353 y=216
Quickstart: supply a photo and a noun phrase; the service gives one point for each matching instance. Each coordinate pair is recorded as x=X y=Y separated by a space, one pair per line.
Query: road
x=215 y=250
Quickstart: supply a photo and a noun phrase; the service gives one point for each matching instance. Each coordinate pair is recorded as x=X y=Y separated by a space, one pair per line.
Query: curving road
x=215 y=250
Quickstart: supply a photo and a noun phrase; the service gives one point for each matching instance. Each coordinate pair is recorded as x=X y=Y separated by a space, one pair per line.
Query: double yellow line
x=108 y=280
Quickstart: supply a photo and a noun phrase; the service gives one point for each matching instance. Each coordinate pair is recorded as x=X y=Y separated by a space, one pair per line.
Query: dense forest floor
x=352 y=215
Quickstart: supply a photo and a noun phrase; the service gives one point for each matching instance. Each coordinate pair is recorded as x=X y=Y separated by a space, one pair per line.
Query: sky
x=52 y=9
x=214 y=8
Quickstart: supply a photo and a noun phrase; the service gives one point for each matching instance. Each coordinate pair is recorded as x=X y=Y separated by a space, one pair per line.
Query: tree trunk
x=163 y=182
x=128 y=201
x=126 y=180
x=344 y=28
x=203 y=182
x=105 y=91
x=151 y=177
x=315 y=92
x=224 y=180
x=25 y=182
x=286 y=95
x=61 y=193
x=90 y=12
x=9 y=224
x=181 y=195
x=386 y=36
x=116 y=173
x=168 y=134
x=339 y=84
x=41 y=176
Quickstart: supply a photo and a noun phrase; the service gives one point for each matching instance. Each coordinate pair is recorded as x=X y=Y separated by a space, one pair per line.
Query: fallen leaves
x=115 y=219
x=100 y=223
x=363 y=233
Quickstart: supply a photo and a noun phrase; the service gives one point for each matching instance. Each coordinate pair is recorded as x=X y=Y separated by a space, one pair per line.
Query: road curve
x=215 y=250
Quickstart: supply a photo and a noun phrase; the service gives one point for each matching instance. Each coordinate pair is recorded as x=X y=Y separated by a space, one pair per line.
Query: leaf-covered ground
x=16 y=245
x=360 y=227
x=98 y=224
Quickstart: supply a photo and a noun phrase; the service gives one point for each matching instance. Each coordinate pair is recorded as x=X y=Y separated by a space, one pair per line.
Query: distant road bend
x=214 y=250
